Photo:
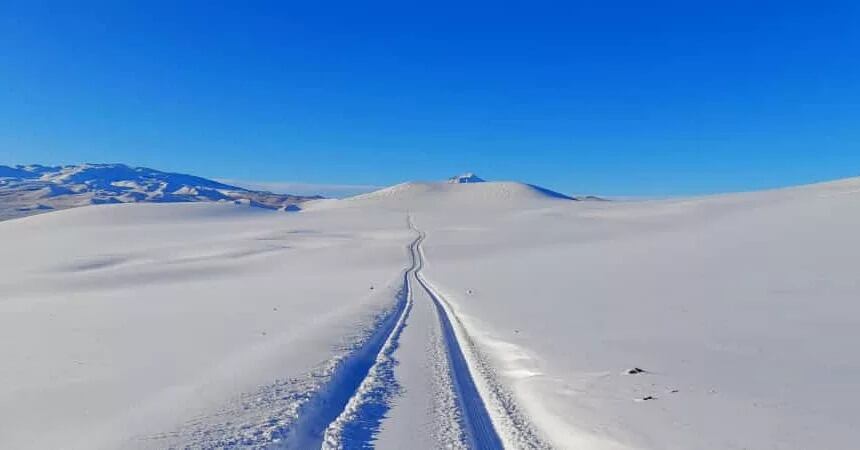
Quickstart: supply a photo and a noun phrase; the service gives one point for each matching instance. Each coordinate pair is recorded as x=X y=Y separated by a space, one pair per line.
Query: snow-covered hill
x=466 y=190
x=27 y=190
x=436 y=315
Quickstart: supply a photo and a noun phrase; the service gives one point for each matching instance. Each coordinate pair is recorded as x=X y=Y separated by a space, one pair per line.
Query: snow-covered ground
x=432 y=315
x=125 y=326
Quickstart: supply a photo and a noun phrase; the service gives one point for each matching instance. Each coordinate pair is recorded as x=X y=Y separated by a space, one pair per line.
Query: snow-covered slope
x=741 y=309
x=437 y=315
x=463 y=194
x=203 y=325
x=26 y=190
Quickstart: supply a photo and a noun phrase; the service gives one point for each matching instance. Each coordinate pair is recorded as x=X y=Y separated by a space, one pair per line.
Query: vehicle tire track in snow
x=493 y=419
x=349 y=411
x=360 y=420
x=480 y=431
x=358 y=423
x=423 y=412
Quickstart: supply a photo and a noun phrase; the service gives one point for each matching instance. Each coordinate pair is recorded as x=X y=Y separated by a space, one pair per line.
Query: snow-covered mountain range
x=30 y=189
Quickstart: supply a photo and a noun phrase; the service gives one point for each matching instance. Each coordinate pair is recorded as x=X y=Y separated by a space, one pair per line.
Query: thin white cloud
x=296 y=188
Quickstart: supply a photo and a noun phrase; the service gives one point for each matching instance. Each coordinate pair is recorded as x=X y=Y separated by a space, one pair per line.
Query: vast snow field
x=432 y=315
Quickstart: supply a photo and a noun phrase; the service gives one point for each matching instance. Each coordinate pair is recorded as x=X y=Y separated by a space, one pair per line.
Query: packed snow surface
x=437 y=315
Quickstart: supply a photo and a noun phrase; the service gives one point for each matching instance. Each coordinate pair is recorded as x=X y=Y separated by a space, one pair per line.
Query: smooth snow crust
x=146 y=326
x=741 y=309
x=498 y=195
x=154 y=326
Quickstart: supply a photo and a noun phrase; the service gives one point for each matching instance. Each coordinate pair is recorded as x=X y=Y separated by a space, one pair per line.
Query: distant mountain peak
x=29 y=189
x=467 y=177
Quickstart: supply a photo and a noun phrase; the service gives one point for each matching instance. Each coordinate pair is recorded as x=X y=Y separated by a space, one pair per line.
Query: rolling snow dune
x=721 y=322
x=418 y=195
x=143 y=326
x=741 y=310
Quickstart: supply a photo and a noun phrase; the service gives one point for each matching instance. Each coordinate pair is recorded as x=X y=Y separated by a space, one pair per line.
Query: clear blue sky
x=618 y=98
